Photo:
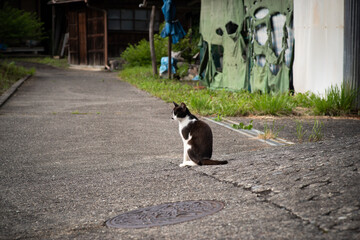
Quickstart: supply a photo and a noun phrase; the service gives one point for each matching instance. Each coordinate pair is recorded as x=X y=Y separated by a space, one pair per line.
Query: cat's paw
x=188 y=164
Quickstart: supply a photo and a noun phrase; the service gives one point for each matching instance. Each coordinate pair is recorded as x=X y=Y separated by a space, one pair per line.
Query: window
x=131 y=19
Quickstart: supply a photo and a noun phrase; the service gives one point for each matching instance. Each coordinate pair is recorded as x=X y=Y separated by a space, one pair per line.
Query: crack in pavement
x=261 y=197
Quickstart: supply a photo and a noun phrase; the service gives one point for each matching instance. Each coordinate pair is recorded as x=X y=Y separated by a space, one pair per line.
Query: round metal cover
x=165 y=214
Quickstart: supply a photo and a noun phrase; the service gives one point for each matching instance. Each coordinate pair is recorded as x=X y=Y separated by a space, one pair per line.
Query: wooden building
x=101 y=29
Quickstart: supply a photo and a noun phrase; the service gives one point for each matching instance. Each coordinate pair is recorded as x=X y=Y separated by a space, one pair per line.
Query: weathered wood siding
x=87 y=37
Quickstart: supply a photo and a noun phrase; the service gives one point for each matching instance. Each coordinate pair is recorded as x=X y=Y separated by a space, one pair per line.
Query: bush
x=183 y=70
x=139 y=54
x=16 y=26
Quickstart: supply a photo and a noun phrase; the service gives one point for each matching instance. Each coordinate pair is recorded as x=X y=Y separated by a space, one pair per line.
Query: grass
x=240 y=103
x=79 y=113
x=218 y=118
x=59 y=63
x=305 y=100
x=316 y=134
x=10 y=73
x=266 y=104
x=270 y=132
x=338 y=101
x=300 y=132
x=201 y=101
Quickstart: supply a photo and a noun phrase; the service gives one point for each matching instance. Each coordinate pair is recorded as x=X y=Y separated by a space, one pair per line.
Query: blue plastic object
x=172 y=26
x=165 y=63
x=196 y=78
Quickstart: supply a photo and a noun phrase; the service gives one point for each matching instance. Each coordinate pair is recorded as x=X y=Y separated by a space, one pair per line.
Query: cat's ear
x=175 y=104
x=183 y=105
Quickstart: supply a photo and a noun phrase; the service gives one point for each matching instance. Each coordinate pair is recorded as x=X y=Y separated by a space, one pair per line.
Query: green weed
x=243 y=126
x=316 y=133
x=270 y=132
x=218 y=118
x=78 y=113
x=300 y=133
x=337 y=101
x=11 y=73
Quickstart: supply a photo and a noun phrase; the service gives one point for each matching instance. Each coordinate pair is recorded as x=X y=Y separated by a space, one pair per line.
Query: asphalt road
x=79 y=147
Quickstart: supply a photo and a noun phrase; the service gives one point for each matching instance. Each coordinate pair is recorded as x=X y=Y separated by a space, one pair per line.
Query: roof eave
x=65 y=1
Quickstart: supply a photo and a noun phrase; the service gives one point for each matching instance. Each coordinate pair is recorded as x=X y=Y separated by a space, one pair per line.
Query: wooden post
x=169 y=57
x=105 y=39
x=53 y=31
x=151 y=40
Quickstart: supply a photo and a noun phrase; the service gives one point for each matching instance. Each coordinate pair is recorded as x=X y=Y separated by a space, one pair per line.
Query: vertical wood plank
x=82 y=38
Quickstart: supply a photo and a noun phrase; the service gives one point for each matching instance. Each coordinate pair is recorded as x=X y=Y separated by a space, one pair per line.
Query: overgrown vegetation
x=337 y=101
x=205 y=101
x=241 y=103
x=266 y=104
x=59 y=63
x=16 y=26
x=10 y=73
x=139 y=54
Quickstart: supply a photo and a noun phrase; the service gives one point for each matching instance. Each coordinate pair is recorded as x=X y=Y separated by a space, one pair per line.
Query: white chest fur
x=182 y=124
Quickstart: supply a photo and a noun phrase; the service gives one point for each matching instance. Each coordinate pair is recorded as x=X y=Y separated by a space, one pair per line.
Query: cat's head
x=179 y=111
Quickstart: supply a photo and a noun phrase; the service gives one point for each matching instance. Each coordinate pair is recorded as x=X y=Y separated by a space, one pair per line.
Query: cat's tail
x=212 y=162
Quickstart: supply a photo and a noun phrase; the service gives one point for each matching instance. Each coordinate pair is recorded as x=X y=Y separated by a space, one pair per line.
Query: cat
x=197 y=138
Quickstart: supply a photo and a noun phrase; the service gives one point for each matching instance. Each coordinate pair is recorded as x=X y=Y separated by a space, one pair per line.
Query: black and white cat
x=197 y=138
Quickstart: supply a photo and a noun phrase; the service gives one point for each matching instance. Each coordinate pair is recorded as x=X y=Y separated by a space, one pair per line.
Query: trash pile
x=180 y=69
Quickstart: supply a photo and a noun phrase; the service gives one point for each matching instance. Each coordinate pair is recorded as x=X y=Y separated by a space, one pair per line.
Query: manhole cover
x=165 y=214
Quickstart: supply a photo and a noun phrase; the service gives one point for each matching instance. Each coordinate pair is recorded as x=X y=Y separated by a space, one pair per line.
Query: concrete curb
x=253 y=133
x=6 y=95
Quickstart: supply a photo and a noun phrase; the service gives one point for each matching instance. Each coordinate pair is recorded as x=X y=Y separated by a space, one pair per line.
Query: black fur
x=201 y=141
x=201 y=137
